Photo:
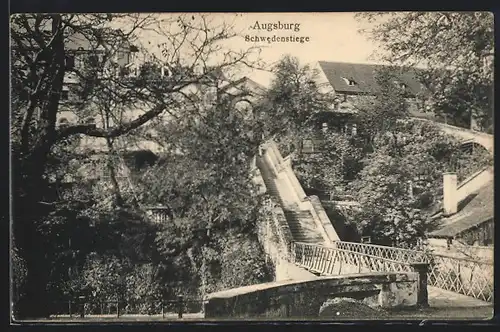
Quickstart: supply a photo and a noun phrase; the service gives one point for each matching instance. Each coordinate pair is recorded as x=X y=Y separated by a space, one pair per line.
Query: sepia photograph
x=203 y=167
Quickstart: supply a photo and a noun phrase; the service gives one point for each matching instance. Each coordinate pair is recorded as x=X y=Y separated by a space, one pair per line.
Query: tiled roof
x=364 y=77
x=477 y=211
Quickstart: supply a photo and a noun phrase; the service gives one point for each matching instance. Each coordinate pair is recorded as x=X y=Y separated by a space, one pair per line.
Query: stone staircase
x=301 y=222
x=301 y=225
x=267 y=176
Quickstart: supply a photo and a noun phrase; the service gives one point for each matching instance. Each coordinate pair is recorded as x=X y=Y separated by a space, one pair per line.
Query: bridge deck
x=440 y=298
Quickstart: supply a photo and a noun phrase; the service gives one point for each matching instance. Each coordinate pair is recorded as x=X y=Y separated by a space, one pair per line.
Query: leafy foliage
x=393 y=167
x=204 y=179
x=42 y=150
x=400 y=184
x=338 y=161
x=293 y=100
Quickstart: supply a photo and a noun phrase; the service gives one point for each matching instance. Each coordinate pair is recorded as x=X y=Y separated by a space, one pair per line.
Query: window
x=366 y=239
x=64 y=95
x=354 y=130
x=324 y=127
x=69 y=62
x=93 y=60
x=349 y=81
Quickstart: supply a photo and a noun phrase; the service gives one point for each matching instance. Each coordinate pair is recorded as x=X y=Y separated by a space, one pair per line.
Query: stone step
x=296 y=219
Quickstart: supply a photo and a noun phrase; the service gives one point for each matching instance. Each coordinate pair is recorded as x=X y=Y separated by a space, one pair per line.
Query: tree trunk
x=119 y=202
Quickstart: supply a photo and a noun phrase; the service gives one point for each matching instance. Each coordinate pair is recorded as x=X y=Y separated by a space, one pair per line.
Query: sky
x=332 y=37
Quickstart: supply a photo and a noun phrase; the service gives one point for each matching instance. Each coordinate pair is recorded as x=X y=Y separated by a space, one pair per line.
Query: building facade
x=466 y=219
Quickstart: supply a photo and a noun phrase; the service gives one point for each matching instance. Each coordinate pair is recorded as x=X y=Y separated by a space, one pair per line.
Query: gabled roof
x=363 y=75
x=245 y=84
x=478 y=208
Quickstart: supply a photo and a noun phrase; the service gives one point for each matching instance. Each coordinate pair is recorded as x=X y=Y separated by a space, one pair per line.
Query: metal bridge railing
x=463 y=276
x=460 y=275
x=391 y=253
x=335 y=261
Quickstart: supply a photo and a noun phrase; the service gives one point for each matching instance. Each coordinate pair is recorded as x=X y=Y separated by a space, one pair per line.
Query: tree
x=456 y=47
x=340 y=158
x=378 y=115
x=204 y=178
x=296 y=107
x=293 y=101
x=42 y=59
x=401 y=181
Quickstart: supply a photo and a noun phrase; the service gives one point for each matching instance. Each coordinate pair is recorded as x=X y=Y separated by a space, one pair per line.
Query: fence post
x=422 y=296
x=163 y=308
x=180 y=304
x=118 y=308
x=82 y=306
x=303 y=255
x=69 y=307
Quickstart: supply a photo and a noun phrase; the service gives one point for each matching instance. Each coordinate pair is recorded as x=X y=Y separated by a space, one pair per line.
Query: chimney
x=450 y=204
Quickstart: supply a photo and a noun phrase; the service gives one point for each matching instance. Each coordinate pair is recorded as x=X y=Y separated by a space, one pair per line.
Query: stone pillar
x=422 y=296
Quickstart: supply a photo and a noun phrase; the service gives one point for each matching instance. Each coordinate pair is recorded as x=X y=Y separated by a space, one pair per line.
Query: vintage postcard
x=251 y=166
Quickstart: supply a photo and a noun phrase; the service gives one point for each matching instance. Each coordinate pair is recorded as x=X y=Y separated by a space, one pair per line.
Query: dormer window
x=349 y=81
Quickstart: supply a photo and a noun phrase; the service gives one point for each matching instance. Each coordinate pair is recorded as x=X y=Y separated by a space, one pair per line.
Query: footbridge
x=465 y=135
x=376 y=276
x=299 y=239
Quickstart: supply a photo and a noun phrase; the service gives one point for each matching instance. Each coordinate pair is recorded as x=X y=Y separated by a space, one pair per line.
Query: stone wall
x=303 y=299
